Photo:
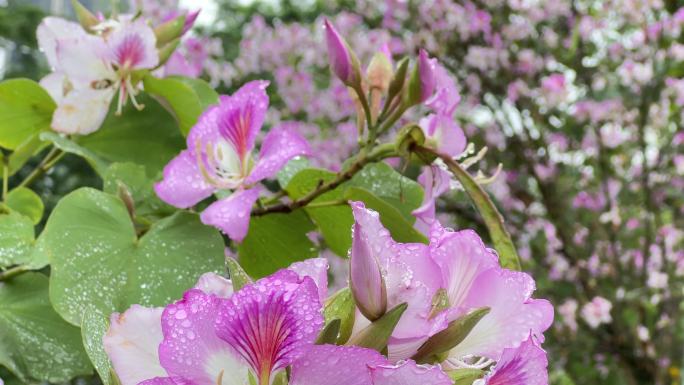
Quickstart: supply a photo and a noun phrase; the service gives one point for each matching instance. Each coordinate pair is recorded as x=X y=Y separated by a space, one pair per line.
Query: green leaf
x=24 y=201
x=148 y=137
x=36 y=342
x=16 y=239
x=186 y=98
x=465 y=376
x=134 y=178
x=341 y=306
x=275 y=241
x=450 y=337
x=65 y=144
x=93 y=328
x=25 y=109
x=291 y=168
x=394 y=221
x=376 y=335
x=329 y=333
x=97 y=258
x=386 y=183
x=238 y=276
x=334 y=222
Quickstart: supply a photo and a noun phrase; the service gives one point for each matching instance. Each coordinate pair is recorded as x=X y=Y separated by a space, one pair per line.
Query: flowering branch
x=379 y=153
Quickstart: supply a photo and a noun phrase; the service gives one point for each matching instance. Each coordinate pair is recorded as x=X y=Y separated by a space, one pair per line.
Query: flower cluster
x=225 y=335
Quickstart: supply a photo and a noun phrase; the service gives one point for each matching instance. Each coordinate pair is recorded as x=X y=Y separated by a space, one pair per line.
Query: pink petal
x=525 y=365
x=335 y=365
x=411 y=276
x=444 y=134
x=164 y=381
x=82 y=111
x=513 y=315
x=231 y=215
x=183 y=184
x=271 y=321
x=366 y=280
x=462 y=258
x=281 y=144
x=316 y=269
x=338 y=54
x=191 y=349
x=50 y=30
x=409 y=373
x=242 y=115
x=131 y=344
x=212 y=283
x=133 y=46
x=446 y=97
x=435 y=181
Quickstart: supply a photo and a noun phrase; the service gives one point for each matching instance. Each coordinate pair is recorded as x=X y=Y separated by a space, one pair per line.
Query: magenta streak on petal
x=271 y=321
x=234 y=126
x=525 y=365
x=130 y=52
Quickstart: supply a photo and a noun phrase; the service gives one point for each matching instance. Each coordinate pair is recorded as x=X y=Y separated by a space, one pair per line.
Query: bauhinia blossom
x=219 y=157
x=88 y=69
x=216 y=336
x=458 y=265
x=597 y=312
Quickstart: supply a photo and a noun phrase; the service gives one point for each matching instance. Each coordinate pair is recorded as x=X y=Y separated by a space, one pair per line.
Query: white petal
x=50 y=30
x=82 y=111
x=132 y=343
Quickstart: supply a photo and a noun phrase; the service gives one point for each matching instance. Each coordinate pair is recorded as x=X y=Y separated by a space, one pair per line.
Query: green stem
x=491 y=216
x=12 y=272
x=393 y=118
x=338 y=202
x=45 y=165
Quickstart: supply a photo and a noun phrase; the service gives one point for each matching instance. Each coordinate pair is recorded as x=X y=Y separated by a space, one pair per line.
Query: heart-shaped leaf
x=35 y=343
x=25 y=109
x=16 y=239
x=97 y=259
x=24 y=201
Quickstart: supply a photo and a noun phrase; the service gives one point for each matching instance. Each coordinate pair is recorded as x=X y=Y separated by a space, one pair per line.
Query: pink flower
x=435 y=181
x=219 y=157
x=213 y=334
x=597 y=312
x=469 y=273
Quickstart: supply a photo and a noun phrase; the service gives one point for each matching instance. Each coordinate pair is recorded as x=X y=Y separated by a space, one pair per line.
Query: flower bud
x=422 y=82
x=379 y=72
x=167 y=50
x=367 y=283
x=84 y=16
x=343 y=62
x=170 y=30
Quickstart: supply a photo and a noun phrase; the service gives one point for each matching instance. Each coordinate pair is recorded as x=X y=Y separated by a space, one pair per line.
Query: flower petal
x=271 y=321
x=317 y=269
x=281 y=144
x=133 y=46
x=231 y=215
x=82 y=111
x=242 y=115
x=191 y=349
x=183 y=184
x=131 y=344
x=462 y=257
x=525 y=365
x=54 y=85
x=513 y=315
x=212 y=283
x=411 y=276
x=50 y=30
x=435 y=181
x=444 y=134
x=335 y=365
x=409 y=373
x=84 y=61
